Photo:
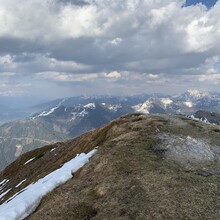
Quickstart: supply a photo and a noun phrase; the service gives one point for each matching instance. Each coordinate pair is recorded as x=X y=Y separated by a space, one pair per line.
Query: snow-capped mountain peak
x=111 y=107
x=197 y=94
x=188 y=104
x=143 y=108
x=166 y=101
x=90 y=105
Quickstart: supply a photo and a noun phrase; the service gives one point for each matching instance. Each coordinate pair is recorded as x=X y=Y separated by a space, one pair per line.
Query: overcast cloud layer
x=72 y=47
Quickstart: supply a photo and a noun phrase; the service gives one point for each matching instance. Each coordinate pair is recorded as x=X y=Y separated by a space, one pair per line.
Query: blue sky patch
x=208 y=3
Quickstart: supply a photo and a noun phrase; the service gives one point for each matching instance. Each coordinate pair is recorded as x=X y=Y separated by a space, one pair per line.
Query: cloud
x=6 y=59
x=65 y=77
x=7 y=74
x=116 y=41
x=13 y=89
x=215 y=78
x=152 y=76
x=70 y=40
x=113 y=74
x=165 y=34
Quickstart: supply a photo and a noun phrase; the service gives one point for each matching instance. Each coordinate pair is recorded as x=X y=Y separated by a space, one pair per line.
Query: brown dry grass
x=126 y=179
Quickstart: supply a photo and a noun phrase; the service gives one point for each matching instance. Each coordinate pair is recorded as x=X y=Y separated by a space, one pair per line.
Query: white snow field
x=24 y=203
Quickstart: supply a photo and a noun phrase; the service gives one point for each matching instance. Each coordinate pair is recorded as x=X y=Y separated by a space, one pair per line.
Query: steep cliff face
x=146 y=167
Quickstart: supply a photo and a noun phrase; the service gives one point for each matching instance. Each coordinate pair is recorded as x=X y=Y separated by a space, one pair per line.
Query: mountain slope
x=146 y=167
x=67 y=118
x=24 y=135
x=55 y=124
x=209 y=117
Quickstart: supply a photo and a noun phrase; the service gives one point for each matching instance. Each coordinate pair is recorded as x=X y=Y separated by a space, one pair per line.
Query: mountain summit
x=145 y=167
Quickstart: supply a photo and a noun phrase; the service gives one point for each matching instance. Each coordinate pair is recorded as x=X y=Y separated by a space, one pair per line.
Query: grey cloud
x=138 y=36
x=75 y=2
x=18 y=46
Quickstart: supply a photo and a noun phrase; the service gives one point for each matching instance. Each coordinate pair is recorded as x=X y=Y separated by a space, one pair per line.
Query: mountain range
x=63 y=119
x=56 y=124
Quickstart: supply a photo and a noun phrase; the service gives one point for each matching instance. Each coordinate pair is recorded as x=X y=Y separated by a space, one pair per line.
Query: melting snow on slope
x=143 y=108
x=111 y=107
x=46 y=113
x=2 y=195
x=3 y=182
x=29 y=161
x=114 y=107
x=2 y=185
x=90 y=105
x=197 y=94
x=20 y=183
x=22 y=205
x=166 y=101
x=205 y=120
x=78 y=115
x=188 y=104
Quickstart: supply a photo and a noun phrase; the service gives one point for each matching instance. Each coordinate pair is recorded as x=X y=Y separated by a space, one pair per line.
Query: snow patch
x=90 y=105
x=114 y=107
x=2 y=195
x=3 y=182
x=20 y=183
x=111 y=107
x=166 y=101
x=197 y=94
x=83 y=113
x=143 y=108
x=19 y=207
x=205 y=120
x=188 y=104
x=29 y=161
x=76 y=115
x=46 y=113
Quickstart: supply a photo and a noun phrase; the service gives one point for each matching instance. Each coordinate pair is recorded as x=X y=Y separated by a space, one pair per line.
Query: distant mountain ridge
x=69 y=117
x=186 y=103
x=52 y=125
x=208 y=117
x=192 y=99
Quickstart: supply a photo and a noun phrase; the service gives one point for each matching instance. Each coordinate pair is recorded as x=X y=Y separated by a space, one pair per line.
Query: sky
x=208 y=3
x=61 y=48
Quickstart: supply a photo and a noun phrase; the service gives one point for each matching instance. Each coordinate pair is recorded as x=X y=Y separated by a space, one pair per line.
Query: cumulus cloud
x=113 y=74
x=70 y=40
x=152 y=76
x=65 y=77
x=6 y=59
